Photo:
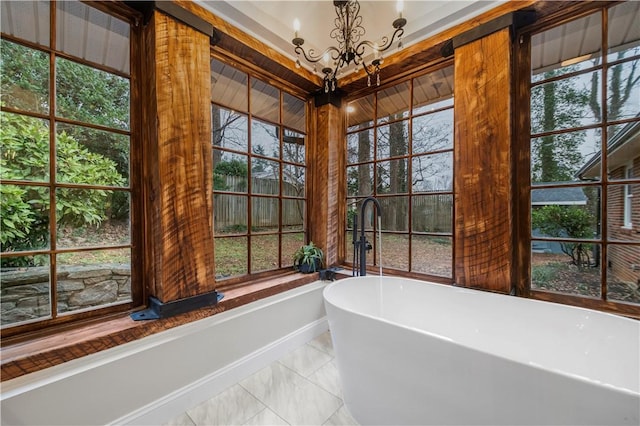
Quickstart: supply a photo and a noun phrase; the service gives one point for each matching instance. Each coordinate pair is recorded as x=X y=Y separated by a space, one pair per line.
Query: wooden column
x=179 y=260
x=483 y=163
x=326 y=195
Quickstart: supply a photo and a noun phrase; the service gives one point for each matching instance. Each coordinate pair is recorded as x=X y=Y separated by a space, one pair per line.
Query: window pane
x=566 y=48
x=624 y=31
x=77 y=164
x=433 y=132
x=90 y=156
x=565 y=212
x=395 y=213
x=28 y=20
x=432 y=255
x=623 y=273
x=231 y=256
x=432 y=213
x=360 y=113
x=102 y=223
x=392 y=177
x=623 y=98
x=395 y=251
x=293 y=215
x=393 y=140
x=90 y=95
x=293 y=181
x=360 y=147
x=229 y=171
x=554 y=268
x=293 y=147
x=264 y=253
x=393 y=103
x=566 y=157
x=360 y=180
x=432 y=172
x=26 y=289
x=228 y=86
x=265 y=139
x=265 y=101
x=567 y=103
x=230 y=214
x=265 y=176
x=25 y=75
x=293 y=110
x=265 y=214
x=93 y=279
x=623 y=213
x=87 y=33
x=24 y=218
x=290 y=243
x=92 y=217
x=24 y=148
x=230 y=129
x=433 y=91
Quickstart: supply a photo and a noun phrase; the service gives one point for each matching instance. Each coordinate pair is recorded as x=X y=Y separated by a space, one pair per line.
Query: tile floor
x=302 y=388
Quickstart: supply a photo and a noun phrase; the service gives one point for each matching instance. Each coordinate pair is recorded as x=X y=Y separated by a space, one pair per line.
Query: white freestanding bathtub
x=414 y=352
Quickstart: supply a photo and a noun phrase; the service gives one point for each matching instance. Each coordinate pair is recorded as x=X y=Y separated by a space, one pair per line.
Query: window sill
x=28 y=356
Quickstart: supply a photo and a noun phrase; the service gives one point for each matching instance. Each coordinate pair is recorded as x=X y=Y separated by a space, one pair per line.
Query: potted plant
x=308 y=258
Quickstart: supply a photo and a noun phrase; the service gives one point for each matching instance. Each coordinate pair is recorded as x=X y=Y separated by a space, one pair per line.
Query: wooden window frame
x=522 y=91
x=251 y=277
x=410 y=273
x=55 y=321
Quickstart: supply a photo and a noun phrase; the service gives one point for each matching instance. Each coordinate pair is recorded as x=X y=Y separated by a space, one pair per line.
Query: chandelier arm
x=311 y=57
x=386 y=43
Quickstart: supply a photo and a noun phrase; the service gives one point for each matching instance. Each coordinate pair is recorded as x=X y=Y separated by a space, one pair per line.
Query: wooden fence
x=231 y=210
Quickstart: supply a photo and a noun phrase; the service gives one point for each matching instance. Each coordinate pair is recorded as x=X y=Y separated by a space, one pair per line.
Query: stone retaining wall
x=25 y=291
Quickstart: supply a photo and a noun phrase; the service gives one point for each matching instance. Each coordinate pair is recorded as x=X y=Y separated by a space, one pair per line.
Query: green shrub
x=567 y=221
x=24 y=147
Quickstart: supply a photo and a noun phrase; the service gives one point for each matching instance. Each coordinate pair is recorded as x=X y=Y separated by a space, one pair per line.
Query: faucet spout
x=363 y=243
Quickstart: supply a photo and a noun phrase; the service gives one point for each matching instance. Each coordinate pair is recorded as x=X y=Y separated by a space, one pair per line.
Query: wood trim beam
x=178 y=186
x=483 y=163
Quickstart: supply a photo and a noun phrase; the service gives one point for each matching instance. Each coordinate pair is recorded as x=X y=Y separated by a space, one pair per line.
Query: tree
x=83 y=94
x=567 y=221
x=558 y=104
x=24 y=143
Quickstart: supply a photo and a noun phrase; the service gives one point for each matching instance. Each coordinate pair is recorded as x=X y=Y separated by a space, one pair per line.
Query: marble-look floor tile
x=305 y=360
x=342 y=417
x=292 y=397
x=328 y=378
x=323 y=342
x=181 y=420
x=266 y=417
x=232 y=407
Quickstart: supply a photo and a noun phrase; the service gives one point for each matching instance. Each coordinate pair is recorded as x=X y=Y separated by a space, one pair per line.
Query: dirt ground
x=431 y=255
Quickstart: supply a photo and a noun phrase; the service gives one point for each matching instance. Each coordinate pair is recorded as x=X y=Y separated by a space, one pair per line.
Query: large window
x=400 y=150
x=585 y=156
x=258 y=173
x=65 y=142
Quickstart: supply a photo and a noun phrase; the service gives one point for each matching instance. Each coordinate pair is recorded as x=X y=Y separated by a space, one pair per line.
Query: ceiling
x=272 y=21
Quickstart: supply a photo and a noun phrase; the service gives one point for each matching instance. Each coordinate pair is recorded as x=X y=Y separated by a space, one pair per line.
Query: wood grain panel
x=179 y=198
x=482 y=161
x=326 y=162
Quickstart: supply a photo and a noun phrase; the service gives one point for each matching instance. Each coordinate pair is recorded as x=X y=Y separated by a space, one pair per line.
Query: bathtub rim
x=618 y=388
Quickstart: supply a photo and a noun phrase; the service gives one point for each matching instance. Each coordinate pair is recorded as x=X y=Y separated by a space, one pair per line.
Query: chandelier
x=347 y=33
